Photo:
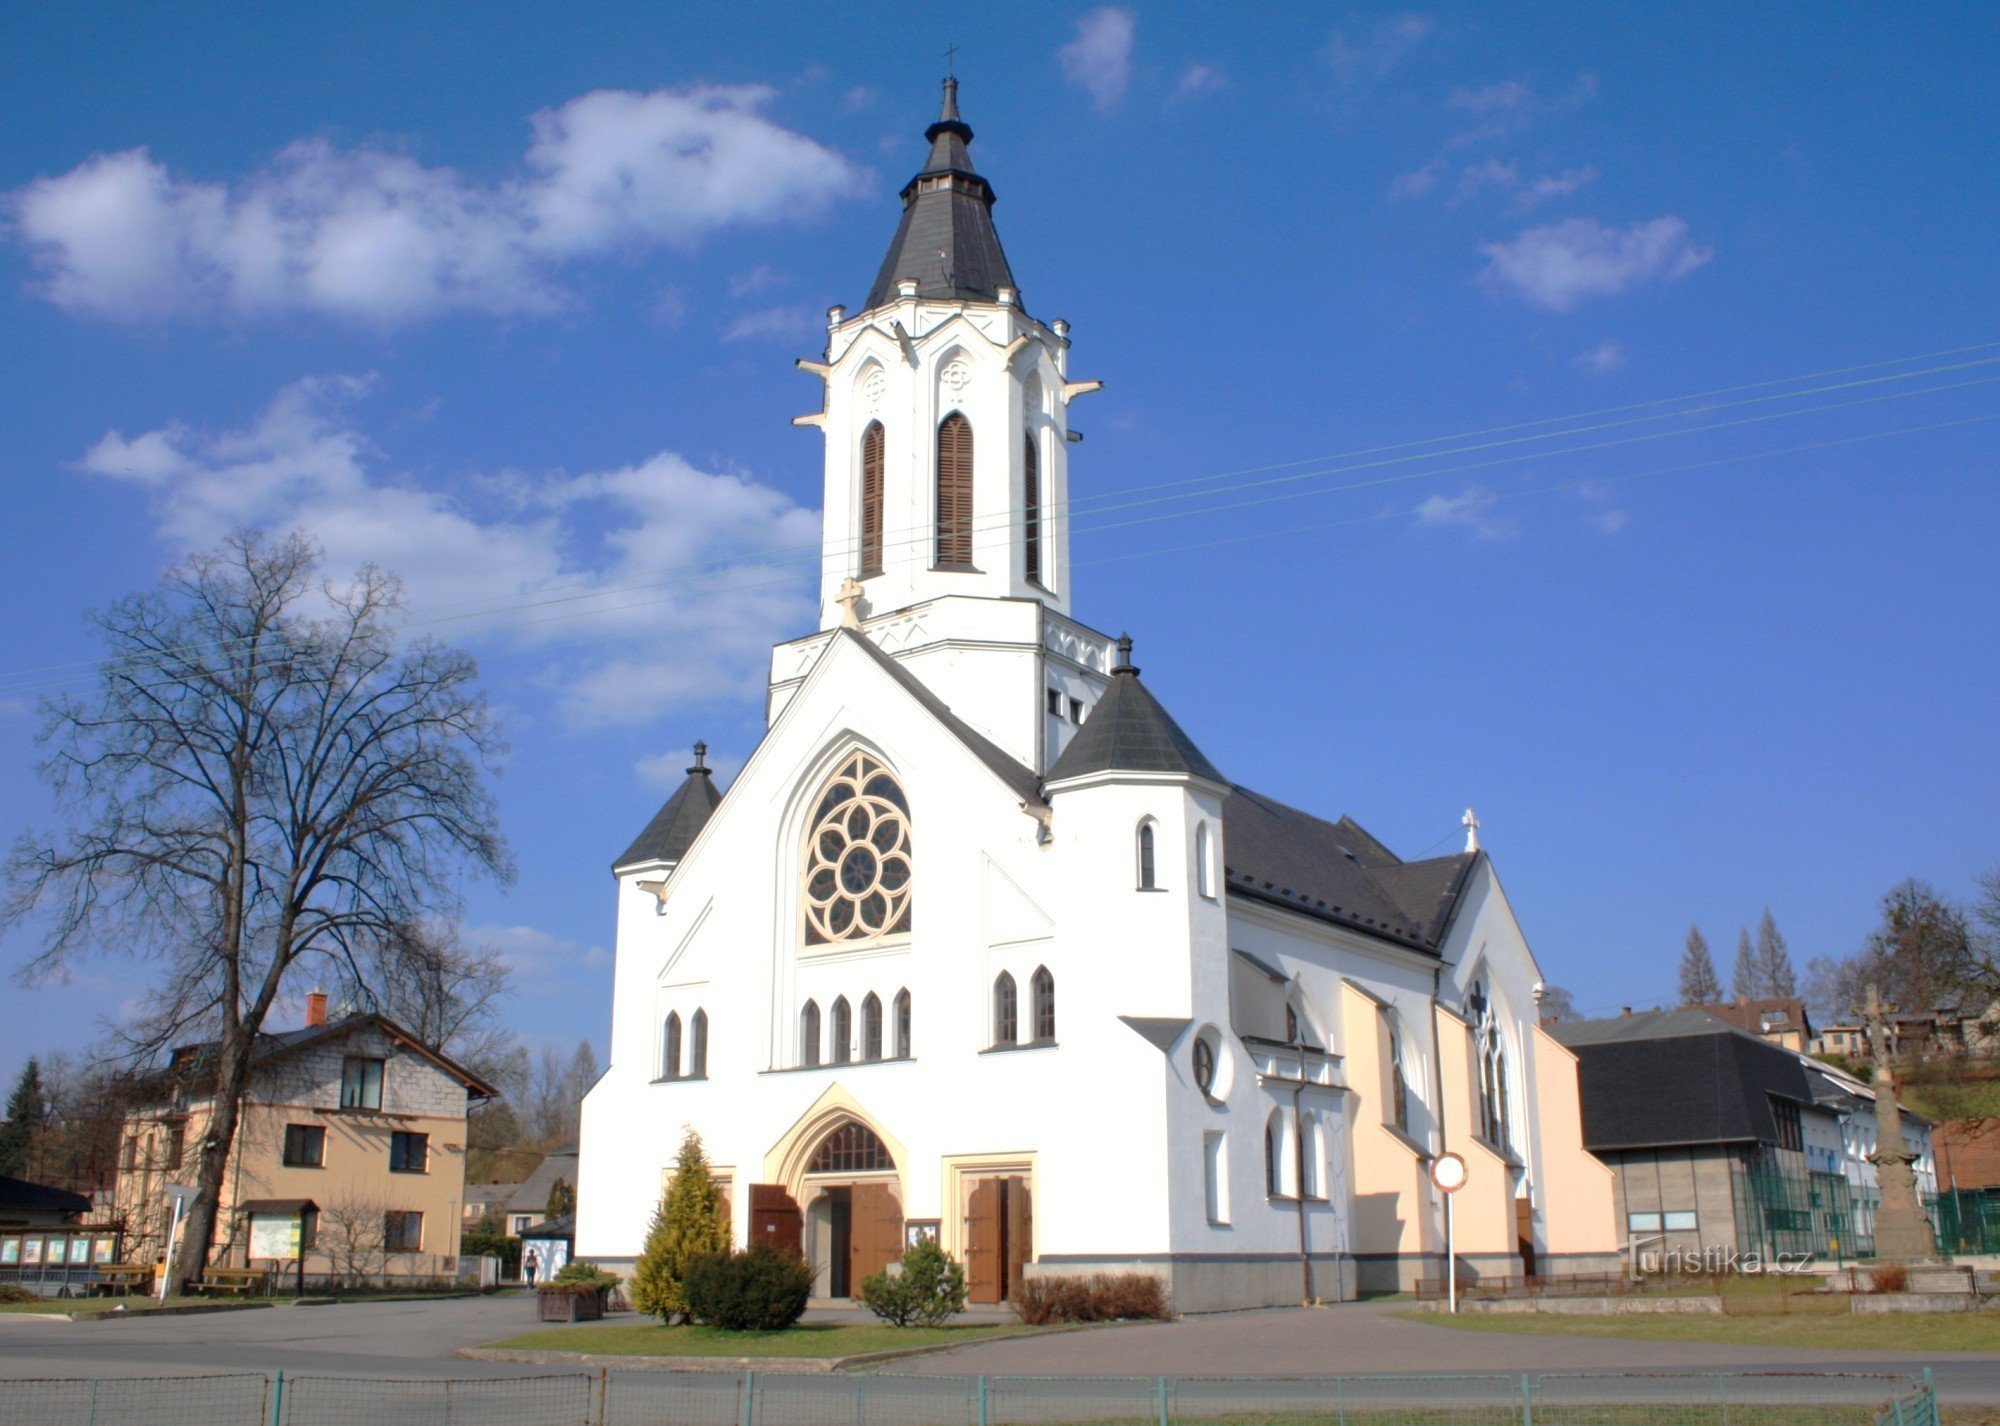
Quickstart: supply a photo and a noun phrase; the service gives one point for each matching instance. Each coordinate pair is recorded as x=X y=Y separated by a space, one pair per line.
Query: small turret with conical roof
x=946 y=242
x=1128 y=731
x=675 y=826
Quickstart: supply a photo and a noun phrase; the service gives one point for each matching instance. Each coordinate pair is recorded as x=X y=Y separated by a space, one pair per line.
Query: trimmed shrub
x=11 y=1293
x=929 y=1289
x=479 y=1244
x=588 y=1275
x=759 y=1290
x=1102 y=1297
x=1890 y=1277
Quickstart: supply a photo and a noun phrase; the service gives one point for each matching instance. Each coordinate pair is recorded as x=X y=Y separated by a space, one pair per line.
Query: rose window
x=858 y=856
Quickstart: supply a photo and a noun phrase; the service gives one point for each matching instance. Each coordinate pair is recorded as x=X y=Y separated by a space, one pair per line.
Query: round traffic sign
x=1448 y=1172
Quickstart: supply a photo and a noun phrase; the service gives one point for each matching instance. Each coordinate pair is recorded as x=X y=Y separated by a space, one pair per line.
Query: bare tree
x=263 y=781
x=1745 y=982
x=353 y=1234
x=1774 y=960
x=445 y=992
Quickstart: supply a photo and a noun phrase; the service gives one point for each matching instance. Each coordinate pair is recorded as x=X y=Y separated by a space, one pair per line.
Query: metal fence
x=1967 y=1222
x=663 y=1398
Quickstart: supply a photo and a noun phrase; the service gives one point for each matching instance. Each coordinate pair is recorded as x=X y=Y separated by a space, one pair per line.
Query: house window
x=1791 y=1132
x=670 y=1047
x=1076 y=711
x=857 y=863
x=409 y=1153
x=1204 y=865
x=176 y=1143
x=360 y=1083
x=1215 y=1174
x=402 y=1232
x=305 y=1146
x=1006 y=1011
x=1031 y=507
x=840 y=1030
x=902 y=1025
x=1642 y=1222
x=954 y=492
x=809 y=1034
x=1148 y=880
x=871 y=1027
x=872 y=441
x=1680 y=1222
x=1042 y=989
x=698 y=1046
x=1056 y=702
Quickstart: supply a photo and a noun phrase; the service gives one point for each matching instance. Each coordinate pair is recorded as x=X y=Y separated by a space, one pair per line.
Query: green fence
x=1815 y=1214
x=1967 y=1221
x=666 y=1398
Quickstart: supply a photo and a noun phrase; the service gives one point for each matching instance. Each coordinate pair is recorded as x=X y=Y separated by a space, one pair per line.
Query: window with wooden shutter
x=872 y=441
x=1031 y=507
x=954 y=492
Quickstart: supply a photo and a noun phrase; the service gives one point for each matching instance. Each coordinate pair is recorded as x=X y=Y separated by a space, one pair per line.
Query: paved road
x=418 y=1339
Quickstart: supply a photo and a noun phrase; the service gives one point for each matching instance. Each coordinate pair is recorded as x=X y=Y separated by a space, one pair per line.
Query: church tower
x=946 y=421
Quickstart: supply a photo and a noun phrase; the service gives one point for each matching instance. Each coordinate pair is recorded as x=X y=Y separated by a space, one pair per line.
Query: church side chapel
x=980 y=944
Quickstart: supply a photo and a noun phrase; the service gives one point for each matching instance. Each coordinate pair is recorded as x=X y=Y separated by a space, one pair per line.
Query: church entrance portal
x=999 y=1230
x=853 y=1219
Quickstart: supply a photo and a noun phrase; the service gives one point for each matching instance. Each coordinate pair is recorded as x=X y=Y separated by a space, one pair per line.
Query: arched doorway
x=853 y=1209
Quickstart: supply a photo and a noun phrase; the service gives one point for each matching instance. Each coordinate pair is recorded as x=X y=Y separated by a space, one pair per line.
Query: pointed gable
x=946 y=241
x=675 y=826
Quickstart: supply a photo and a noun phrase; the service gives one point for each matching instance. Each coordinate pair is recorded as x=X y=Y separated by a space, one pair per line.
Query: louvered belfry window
x=1031 y=508
x=954 y=492
x=872 y=441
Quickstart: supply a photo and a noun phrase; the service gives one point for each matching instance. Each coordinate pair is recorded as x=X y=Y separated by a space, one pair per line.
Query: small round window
x=1204 y=1066
x=1211 y=1069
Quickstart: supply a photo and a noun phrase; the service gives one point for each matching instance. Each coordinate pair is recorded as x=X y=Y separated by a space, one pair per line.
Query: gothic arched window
x=840 y=1030
x=698 y=1046
x=1274 y=1154
x=872 y=442
x=1006 y=1011
x=1042 y=993
x=670 y=1047
x=902 y=1024
x=871 y=1027
x=1031 y=506
x=857 y=873
x=1204 y=864
x=809 y=1034
x=1493 y=1108
x=954 y=492
x=1148 y=879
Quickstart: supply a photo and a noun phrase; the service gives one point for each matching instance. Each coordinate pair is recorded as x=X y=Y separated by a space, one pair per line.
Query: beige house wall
x=1579 y=1192
x=1484 y=1209
x=1392 y=1189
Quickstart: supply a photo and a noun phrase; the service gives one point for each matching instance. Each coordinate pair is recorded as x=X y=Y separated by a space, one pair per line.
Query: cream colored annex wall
x=1578 y=1190
x=1483 y=1211
x=1389 y=1176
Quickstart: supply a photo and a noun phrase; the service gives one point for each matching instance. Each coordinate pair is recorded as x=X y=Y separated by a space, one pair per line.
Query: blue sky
x=507 y=297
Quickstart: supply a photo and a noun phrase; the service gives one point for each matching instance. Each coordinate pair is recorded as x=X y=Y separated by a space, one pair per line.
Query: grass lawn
x=100 y=1304
x=1939 y=1332
x=811 y=1339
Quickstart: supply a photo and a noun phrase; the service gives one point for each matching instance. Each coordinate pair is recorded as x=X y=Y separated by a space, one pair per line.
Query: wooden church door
x=875 y=1233
x=775 y=1219
x=999 y=1228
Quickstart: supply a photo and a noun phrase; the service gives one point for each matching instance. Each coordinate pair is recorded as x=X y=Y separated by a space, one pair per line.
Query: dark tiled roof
x=1336 y=872
x=946 y=240
x=1128 y=731
x=675 y=826
x=1018 y=776
x=17 y=1195
x=1678 y=1077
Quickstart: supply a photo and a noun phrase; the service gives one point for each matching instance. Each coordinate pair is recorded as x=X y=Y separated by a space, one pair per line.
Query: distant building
x=349 y=1153
x=484 y=1198
x=35 y=1205
x=528 y=1201
x=1782 y=1021
x=1721 y=1140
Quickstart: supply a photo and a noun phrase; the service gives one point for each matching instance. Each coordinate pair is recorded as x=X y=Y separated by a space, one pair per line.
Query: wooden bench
x=243 y=1280
x=123 y=1278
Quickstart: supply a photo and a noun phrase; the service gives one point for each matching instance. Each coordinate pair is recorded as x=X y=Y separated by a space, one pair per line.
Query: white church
x=980 y=944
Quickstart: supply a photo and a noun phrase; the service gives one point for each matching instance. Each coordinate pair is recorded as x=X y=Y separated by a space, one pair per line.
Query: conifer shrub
x=759 y=1290
x=929 y=1289
x=688 y=1224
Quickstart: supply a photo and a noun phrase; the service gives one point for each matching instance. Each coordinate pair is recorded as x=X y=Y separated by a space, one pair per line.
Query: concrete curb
x=198 y=1309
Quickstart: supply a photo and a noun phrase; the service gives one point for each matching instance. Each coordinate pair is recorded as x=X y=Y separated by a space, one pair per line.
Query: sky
x=505 y=298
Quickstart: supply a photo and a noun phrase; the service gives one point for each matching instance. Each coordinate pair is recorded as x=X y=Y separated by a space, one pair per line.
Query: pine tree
x=1698 y=983
x=562 y=1200
x=1774 y=960
x=688 y=1224
x=27 y=1110
x=1744 y=980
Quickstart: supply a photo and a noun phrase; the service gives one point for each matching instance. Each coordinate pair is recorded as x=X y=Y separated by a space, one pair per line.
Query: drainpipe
x=1299 y=1139
x=1437 y=1081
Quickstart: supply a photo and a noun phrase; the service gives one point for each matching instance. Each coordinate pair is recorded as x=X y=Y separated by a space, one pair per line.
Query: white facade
x=938 y=700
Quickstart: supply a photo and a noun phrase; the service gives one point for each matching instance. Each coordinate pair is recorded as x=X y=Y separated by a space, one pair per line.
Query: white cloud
x=1492 y=98
x=1607 y=355
x=1561 y=265
x=860 y=97
x=1558 y=185
x=1606 y=519
x=1418 y=181
x=1099 y=59
x=1471 y=510
x=374 y=235
x=655 y=584
x=1356 y=60
x=1199 y=79
x=790 y=323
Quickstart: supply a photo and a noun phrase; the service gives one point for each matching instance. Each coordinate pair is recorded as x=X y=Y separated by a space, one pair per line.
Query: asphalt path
x=418 y=1340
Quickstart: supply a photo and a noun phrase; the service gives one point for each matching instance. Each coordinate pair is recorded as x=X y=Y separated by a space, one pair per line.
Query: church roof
x=1335 y=871
x=1016 y=775
x=1128 y=731
x=674 y=827
x=946 y=240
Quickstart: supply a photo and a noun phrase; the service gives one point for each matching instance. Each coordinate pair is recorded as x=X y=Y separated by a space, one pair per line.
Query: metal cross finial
x=951 y=61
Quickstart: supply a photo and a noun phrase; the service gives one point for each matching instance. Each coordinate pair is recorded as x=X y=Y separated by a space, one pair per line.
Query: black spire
x=1128 y=731
x=946 y=241
x=675 y=826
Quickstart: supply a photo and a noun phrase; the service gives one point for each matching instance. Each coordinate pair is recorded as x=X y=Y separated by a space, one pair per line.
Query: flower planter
x=566 y=1306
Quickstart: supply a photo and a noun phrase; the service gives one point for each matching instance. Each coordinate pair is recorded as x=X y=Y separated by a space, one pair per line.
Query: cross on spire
x=951 y=61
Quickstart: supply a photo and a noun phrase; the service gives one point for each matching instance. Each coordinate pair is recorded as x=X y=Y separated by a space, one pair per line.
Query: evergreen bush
x=760 y=1290
x=929 y=1289
x=689 y=1224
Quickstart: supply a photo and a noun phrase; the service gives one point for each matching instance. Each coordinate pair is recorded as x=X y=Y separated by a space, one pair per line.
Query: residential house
x=1782 y=1021
x=527 y=1202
